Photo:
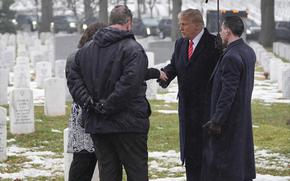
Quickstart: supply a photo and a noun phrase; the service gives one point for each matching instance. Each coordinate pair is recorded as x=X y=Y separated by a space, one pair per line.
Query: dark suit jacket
x=231 y=156
x=193 y=76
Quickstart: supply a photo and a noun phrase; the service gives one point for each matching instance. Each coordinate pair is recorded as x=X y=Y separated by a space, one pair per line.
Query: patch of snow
x=168 y=111
x=47 y=164
x=56 y=131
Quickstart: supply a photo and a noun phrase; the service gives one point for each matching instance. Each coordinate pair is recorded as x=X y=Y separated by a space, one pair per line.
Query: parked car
x=145 y=27
x=26 y=22
x=87 y=22
x=282 y=31
x=252 y=29
x=7 y=26
x=165 y=27
x=64 y=23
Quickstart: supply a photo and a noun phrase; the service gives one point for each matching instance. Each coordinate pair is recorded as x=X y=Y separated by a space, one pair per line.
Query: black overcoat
x=193 y=76
x=230 y=156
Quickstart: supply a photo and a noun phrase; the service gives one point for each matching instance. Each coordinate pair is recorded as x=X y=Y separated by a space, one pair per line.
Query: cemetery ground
x=271 y=134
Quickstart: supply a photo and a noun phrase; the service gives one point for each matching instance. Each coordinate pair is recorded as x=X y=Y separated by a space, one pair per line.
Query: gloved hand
x=99 y=107
x=213 y=128
x=162 y=83
x=88 y=103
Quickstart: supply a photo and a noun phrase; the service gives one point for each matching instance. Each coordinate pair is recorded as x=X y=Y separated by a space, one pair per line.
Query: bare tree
x=151 y=4
x=88 y=9
x=139 y=2
x=268 y=23
x=47 y=13
x=176 y=9
x=169 y=8
x=103 y=11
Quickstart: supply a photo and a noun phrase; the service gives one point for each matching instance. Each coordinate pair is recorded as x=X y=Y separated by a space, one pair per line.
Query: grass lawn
x=271 y=132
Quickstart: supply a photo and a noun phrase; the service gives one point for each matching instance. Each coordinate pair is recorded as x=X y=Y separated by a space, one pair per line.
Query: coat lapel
x=201 y=46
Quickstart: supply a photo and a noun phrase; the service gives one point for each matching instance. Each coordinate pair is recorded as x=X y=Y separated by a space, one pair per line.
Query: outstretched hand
x=163 y=76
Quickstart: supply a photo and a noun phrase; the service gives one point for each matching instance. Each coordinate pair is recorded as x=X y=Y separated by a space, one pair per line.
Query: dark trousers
x=193 y=170
x=115 y=151
x=193 y=153
x=83 y=166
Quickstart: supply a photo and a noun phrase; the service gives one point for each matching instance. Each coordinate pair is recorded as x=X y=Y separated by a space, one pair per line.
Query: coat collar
x=235 y=43
x=230 y=46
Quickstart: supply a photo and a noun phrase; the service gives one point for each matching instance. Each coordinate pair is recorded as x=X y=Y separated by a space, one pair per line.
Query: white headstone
x=21 y=76
x=35 y=57
x=54 y=101
x=43 y=71
x=4 y=77
x=8 y=56
x=3 y=134
x=68 y=157
x=282 y=67
x=21 y=111
x=152 y=86
x=265 y=61
x=59 y=68
x=286 y=83
x=274 y=66
x=22 y=60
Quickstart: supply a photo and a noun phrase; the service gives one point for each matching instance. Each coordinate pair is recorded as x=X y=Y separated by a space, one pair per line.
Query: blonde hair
x=194 y=14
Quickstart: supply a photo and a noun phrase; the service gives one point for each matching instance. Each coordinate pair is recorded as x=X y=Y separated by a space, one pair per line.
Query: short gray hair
x=120 y=14
x=194 y=14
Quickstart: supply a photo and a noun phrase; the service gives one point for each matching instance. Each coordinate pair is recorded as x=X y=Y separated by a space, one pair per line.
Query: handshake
x=162 y=81
x=97 y=107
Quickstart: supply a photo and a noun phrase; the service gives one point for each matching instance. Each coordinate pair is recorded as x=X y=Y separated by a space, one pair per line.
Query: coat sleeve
x=231 y=68
x=170 y=69
x=152 y=73
x=131 y=81
x=75 y=81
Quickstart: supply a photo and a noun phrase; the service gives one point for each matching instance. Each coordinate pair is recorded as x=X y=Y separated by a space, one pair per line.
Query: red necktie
x=190 y=49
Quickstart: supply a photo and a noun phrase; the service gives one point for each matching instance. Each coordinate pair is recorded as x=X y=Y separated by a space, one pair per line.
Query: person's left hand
x=213 y=128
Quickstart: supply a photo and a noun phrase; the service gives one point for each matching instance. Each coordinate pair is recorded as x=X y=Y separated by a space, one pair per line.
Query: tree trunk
x=46 y=18
x=267 y=23
x=88 y=9
x=176 y=9
x=139 y=2
x=169 y=7
x=103 y=11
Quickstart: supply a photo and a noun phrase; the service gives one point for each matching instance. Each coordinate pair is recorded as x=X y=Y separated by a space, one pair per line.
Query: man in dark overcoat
x=193 y=61
x=229 y=148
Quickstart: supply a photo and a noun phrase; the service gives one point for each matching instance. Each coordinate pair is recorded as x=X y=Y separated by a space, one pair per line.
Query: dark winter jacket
x=112 y=68
x=230 y=156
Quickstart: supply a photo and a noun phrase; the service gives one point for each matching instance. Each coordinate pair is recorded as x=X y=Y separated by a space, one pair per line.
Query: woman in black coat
x=80 y=143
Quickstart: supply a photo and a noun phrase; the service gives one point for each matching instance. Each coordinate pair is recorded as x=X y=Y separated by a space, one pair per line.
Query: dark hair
x=120 y=14
x=235 y=24
x=89 y=32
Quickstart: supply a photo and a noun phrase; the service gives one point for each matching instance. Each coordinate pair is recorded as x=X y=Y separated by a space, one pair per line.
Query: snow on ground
x=40 y=163
x=169 y=162
x=267 y=91
x=264 y=90
x=45 y=163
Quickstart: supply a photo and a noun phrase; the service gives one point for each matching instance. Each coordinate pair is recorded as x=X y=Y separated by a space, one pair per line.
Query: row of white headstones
x=274 y=66
x=26 y=63
x=22 y=56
